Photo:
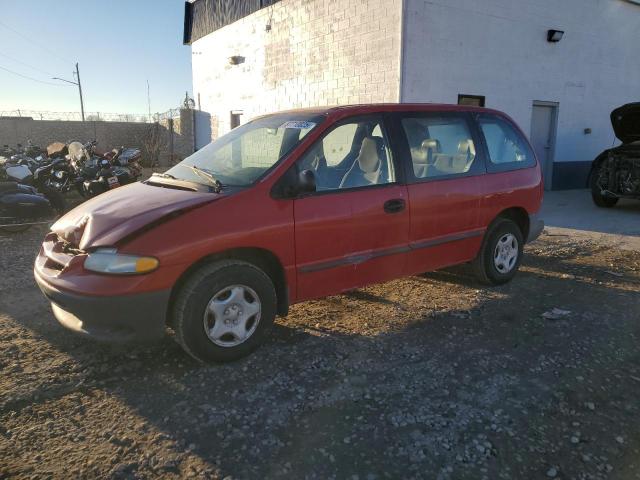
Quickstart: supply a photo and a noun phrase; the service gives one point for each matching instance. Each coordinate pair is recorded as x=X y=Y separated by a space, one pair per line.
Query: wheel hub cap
x=232 y=315
x=506 y=253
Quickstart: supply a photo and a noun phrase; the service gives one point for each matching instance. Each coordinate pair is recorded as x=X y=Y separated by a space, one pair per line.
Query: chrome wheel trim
x=232 y=315
x=505 y=255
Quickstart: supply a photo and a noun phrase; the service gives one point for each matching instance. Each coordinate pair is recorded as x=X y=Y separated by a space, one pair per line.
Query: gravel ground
x=427 y=377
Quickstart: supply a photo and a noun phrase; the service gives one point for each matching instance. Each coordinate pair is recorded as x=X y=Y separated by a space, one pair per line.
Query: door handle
x=396 y=205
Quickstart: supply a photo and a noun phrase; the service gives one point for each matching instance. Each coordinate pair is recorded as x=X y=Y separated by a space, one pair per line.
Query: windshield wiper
x=204 y=174
x=163 y=175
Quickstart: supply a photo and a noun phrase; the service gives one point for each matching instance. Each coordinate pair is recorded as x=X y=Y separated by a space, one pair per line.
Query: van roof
x=389 y=107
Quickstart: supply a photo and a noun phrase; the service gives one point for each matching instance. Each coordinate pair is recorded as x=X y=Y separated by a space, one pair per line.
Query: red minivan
x=289 y=207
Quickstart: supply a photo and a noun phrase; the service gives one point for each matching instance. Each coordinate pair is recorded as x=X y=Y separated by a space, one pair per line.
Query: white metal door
x=203 y=129
x=543 y=135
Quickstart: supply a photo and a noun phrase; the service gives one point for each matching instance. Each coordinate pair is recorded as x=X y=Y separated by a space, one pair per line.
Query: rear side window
x=441 y=146
x=508 y=149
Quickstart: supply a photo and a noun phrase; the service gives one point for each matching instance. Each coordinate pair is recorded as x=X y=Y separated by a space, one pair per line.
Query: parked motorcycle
x=97 y=174
x=21 y=206
x=27 y=171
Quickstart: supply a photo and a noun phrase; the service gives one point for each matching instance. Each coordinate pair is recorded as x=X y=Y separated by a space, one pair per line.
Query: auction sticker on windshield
x=299 y=125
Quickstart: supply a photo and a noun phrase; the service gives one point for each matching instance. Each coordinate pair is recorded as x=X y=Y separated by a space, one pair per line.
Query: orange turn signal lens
x=146 y=264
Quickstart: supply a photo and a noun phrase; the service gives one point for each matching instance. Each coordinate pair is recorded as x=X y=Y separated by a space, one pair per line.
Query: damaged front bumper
x=124 y=318
x=101 y=306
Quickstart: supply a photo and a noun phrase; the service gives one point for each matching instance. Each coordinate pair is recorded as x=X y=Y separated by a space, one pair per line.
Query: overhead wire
x=26 y=64
x=32 y=41
x=31 y=78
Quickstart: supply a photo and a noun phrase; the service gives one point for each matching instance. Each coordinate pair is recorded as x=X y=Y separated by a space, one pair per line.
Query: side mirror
x=293 y=184
x=306 y=182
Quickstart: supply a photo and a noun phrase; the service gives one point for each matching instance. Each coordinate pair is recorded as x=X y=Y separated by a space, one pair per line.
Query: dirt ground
x=432 y=376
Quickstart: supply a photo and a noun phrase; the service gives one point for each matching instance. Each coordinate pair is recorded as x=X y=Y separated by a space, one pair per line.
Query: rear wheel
x=500 y=254
x=223 y=310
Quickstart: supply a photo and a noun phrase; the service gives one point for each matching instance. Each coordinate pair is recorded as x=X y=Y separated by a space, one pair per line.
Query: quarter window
x=354 y=154
x=508 y=150
x=440 y=145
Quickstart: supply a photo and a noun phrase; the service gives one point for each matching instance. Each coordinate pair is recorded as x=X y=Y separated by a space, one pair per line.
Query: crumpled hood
x=108 y=218
x=626 y=122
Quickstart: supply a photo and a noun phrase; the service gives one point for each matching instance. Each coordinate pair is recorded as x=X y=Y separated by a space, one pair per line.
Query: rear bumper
x=536 y=226
x=124 y=318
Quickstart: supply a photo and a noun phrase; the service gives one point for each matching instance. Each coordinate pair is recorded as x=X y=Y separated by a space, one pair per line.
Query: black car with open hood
x=626 y=122
x=615 y=173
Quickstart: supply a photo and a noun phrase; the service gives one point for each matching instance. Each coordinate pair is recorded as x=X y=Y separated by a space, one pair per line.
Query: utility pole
x=80 y=90
x=148 y=100
x=77 y=75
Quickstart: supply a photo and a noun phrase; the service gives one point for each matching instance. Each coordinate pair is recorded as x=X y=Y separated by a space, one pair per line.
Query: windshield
x=243 y=155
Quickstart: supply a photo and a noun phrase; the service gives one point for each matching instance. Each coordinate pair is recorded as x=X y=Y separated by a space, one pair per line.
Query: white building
x=257 y=56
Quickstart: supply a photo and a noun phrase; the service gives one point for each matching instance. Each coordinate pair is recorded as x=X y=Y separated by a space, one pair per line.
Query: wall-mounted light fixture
x=554 y=36
x=236 y=60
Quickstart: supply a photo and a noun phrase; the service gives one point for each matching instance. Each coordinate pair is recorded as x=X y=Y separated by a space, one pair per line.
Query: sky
x=119 y=45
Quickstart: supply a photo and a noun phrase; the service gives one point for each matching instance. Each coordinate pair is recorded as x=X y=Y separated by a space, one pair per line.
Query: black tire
x=484 y=264
x=188 y=313
x=15 y=229
x=600 y=200
x=56 y=200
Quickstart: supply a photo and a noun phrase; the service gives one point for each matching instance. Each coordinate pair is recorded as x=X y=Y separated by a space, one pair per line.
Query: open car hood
x=626 y=122
x=114 y=215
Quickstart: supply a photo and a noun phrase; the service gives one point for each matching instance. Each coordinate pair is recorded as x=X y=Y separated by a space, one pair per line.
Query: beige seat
x=466 y=155
x=367 y=168
x=424 y=156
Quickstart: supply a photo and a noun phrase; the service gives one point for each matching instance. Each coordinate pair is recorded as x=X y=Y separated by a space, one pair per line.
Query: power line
x=31 y=78
x=33 y=42
x=26 y=64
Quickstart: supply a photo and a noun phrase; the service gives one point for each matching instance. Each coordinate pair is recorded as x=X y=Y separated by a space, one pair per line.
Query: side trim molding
x=450 y=238
x=359 y=258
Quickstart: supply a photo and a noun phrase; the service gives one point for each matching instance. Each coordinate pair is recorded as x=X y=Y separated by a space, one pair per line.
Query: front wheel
x=221 y=313
x=500 y=254
x=601 y=200
x=57 y=201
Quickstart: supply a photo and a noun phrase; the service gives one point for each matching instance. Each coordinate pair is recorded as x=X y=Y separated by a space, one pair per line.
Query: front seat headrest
x=466 y=147
x=433 y=144
x=369 y=157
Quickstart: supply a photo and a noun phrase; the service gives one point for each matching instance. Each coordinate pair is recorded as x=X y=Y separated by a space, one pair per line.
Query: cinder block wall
x=316 y=53
x=499 y=49
x=183 y=134
x=43 y=132
x=108 y=134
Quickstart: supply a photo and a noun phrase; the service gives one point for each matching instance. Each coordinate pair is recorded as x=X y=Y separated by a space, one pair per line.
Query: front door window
x=354 y=154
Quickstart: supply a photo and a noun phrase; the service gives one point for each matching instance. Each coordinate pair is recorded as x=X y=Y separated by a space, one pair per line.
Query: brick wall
x=499 y=50
x=317 y=53
x=183 y=134
x=43 y=132
x=108 y=134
